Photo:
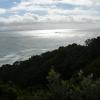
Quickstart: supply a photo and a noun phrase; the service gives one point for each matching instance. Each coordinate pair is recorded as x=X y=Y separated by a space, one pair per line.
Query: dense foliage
x=78 y=87
x=36 y=78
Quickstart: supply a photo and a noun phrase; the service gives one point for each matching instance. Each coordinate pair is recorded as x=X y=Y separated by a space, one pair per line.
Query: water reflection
x=20 y=45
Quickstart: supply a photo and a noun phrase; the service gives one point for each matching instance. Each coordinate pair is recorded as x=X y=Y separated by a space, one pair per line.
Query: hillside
x=66 y=60
x=68 y=73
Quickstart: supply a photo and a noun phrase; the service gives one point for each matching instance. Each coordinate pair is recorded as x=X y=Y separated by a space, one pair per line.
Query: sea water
x=20 y=45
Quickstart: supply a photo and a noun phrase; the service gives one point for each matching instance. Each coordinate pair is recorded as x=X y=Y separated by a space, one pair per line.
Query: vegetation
x=68 y=73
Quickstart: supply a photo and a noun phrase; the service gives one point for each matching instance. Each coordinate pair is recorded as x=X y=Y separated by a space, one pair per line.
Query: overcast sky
x=42 y=14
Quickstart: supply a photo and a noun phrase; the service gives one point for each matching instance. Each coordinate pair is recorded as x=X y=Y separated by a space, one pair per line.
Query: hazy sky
x=43 y=14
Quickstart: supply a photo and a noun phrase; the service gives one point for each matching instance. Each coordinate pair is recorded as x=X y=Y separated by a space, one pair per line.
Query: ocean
x=20 y=45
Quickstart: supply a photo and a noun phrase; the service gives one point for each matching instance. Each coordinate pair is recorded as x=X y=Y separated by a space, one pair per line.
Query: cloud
x=27 y=18
x=2 y=11
x=28 y=12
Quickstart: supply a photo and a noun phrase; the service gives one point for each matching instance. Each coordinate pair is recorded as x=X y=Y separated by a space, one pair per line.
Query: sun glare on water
x=50 y=33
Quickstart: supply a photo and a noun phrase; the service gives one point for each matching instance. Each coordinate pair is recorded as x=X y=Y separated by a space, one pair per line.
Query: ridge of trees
x=67 y=73
x=65 y=60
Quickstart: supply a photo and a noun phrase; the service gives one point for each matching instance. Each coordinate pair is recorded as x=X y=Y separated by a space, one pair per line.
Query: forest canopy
x=65 y=74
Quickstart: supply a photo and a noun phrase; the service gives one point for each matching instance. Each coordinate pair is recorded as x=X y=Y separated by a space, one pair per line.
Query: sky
x=26 y=15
